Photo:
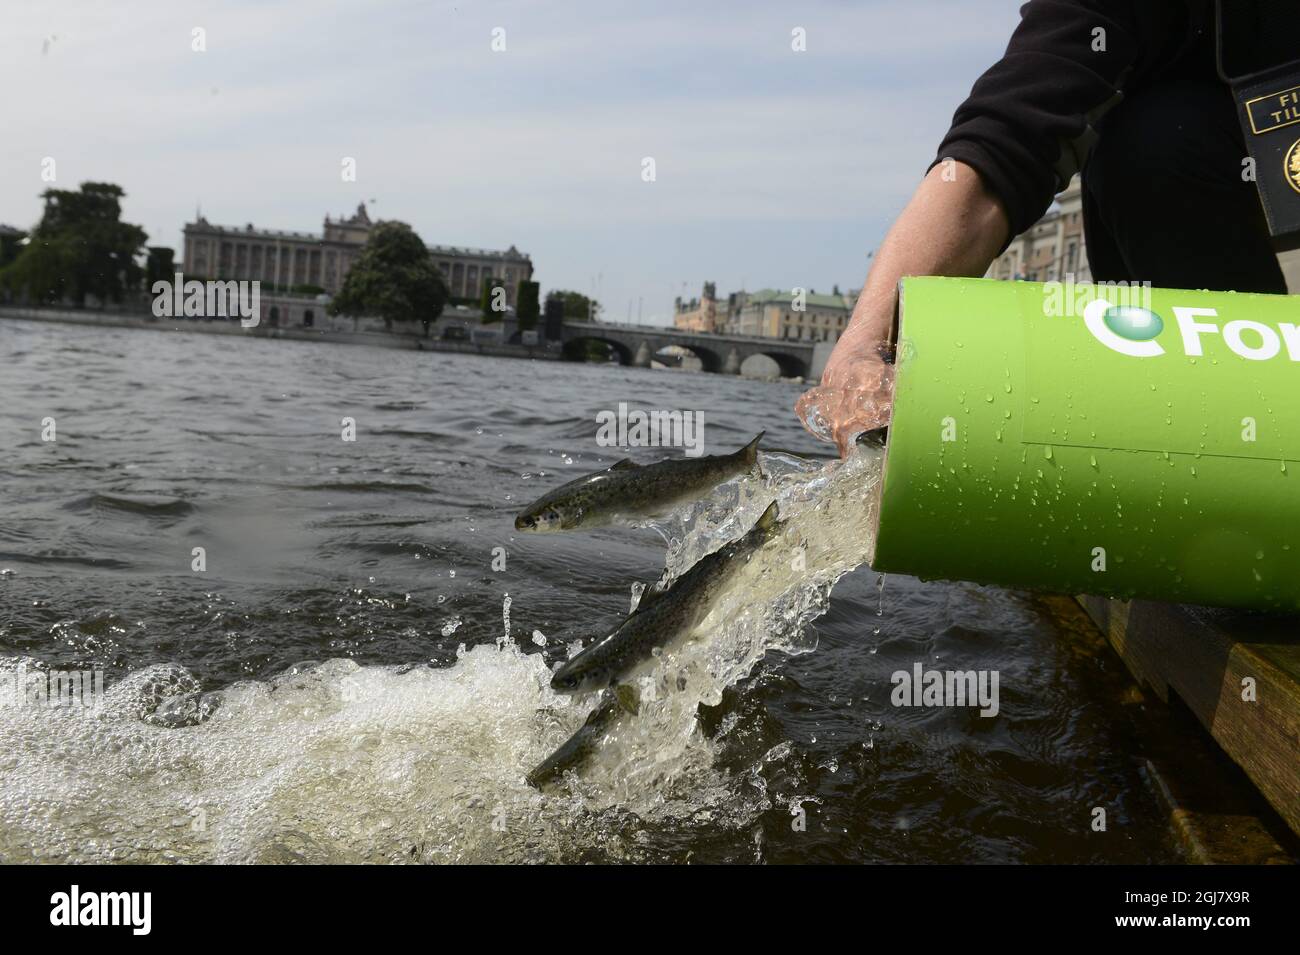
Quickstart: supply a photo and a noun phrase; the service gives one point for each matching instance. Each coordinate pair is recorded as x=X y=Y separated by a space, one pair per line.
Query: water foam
x=335 y=762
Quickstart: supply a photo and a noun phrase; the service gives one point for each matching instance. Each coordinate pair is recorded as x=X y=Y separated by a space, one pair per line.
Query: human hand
x=855 y=396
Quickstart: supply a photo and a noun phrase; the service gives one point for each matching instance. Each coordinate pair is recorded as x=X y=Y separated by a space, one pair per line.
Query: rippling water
x=382 y=687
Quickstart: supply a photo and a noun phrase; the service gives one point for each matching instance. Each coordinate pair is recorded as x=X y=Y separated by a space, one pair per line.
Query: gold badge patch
x=1291 y=165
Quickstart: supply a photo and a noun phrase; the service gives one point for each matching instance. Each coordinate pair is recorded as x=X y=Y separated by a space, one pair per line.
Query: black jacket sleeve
x=1027 y=125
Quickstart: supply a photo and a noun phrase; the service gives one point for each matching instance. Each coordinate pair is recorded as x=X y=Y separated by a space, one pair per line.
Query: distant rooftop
x=510 y=253
x=768 y=296
x=201 y=224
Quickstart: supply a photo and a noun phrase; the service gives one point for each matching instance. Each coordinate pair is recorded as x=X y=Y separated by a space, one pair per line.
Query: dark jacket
x=1032 y=118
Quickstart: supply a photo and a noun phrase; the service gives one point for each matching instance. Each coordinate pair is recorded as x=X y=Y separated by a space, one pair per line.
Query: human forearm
x=951 y=226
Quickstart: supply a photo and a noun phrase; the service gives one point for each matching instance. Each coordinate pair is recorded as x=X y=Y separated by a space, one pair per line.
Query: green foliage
x=80 y=247
x=485 y=301
x=527 y=306
x=393 y=278
x=576 y=305
x=10 y=246
x=159 y=265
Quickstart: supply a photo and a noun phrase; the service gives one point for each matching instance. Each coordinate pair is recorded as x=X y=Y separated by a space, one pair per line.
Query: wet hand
x=855 y=395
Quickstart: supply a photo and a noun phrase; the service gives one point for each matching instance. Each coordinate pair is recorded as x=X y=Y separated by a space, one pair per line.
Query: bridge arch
x=580 y=348
x=638 y=345
x=710 y=360
x=792 y=366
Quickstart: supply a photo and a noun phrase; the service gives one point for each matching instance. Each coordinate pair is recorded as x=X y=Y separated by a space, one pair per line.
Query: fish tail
x=573 y=753
x=749 y=454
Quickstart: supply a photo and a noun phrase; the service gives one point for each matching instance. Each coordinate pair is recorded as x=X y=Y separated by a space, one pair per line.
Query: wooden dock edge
x=1237 y=673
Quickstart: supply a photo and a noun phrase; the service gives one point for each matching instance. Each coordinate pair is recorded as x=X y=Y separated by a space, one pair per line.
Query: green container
x=1047 y=437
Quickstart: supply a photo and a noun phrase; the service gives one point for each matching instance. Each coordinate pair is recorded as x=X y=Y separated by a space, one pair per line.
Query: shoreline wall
x=230 y=327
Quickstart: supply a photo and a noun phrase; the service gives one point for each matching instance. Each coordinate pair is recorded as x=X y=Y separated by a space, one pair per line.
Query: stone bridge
x=724 y=354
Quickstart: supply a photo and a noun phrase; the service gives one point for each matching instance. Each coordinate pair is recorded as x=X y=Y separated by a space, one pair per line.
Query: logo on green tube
x=1131 y=330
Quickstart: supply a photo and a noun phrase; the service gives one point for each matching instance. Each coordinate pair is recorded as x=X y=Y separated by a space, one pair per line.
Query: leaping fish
x=664 y=618
x=575 y=751
x=628 y=493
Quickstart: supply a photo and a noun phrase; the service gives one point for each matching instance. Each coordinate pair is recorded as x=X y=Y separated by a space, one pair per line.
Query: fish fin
x=625 y=465
x=606 y=706
x=628 y=698
x=652 y=593
x=750 y=454
x=768 y=518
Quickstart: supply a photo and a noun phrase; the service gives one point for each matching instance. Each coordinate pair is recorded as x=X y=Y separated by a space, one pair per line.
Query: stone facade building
x=1052 y=248
x=704 y=314
x=771 y=314
x=767 y=313
x=291 y=260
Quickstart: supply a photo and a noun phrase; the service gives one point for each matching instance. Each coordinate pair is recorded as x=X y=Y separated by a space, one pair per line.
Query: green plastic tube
x=1124 y=442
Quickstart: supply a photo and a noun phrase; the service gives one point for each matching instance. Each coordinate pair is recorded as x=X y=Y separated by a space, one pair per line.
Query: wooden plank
x=1238 y=673
x=1214 y=824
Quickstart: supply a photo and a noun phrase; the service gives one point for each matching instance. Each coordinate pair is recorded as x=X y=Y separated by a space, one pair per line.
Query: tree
x=576 y=305
x=490 y=314
x=393 y=278
x=11 y=243
x=159 y=265
x=527 y=308
x=80 y=247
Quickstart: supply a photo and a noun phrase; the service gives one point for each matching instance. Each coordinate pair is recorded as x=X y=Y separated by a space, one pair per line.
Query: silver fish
x=663 y=617
x=575 y=751
x=627 y=492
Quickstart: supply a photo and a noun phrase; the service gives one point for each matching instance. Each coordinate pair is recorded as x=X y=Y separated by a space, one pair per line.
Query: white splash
x=335 y=762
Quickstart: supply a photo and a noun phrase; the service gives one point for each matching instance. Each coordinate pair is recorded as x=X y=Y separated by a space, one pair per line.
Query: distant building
x=1051 y=248
x=772 y=314
x=766 y=313
x=291 y=260
x=704 y=314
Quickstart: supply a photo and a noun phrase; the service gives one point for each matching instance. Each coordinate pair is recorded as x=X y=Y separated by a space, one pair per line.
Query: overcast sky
x=773 y=168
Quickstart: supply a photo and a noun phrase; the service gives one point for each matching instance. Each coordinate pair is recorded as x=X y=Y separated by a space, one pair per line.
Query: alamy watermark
x=130 y=909
x=657 y=428
x=1071 y=298
x=923 y=687
x=194 y=299
x=72 y=689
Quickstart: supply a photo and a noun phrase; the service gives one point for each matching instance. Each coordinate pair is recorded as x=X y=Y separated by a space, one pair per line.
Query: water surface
x=382 y=686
